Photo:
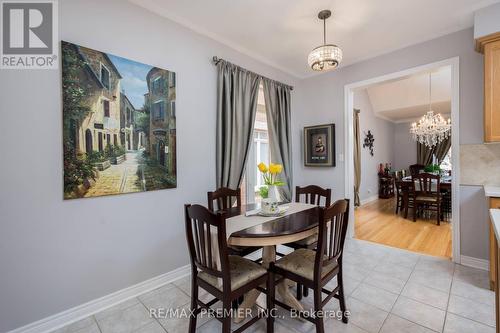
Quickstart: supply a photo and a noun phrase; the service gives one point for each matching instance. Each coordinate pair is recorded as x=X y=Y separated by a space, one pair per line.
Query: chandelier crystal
x=431 y=129
x=326 y=56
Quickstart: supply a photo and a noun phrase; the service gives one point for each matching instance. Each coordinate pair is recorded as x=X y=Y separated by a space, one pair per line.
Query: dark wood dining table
x=280 y=230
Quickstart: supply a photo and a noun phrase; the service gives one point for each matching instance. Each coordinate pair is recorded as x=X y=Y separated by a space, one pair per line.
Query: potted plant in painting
x=116 y=154
x=269 y=192
x=98 y=160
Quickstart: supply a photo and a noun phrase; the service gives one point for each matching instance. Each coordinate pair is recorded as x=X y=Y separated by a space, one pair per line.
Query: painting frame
x=119 y=124
x=319 y=145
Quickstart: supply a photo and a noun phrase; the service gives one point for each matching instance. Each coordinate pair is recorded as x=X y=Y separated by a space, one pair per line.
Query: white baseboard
x=368 y=200
x=475 y=263
x=87 y=309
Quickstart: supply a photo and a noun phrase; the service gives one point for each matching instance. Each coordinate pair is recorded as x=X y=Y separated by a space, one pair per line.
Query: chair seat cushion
x=301 y=262
x=425 y=198
x=242 y=271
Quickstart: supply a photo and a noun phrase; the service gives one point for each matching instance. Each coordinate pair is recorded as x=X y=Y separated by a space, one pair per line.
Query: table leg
x=269 y=255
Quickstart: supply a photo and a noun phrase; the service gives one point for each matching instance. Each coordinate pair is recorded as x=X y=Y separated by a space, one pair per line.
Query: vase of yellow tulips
x=270 y=175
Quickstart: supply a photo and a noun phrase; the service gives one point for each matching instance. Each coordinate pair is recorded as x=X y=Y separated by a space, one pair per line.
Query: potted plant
x=269 y=193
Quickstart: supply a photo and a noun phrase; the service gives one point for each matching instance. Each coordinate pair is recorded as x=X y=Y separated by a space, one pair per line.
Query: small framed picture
x=319 y=145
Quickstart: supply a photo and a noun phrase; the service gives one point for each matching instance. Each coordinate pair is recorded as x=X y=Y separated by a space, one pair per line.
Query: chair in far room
x=427 y=194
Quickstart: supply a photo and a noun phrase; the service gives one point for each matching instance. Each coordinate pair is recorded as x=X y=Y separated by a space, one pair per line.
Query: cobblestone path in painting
x=121 y=178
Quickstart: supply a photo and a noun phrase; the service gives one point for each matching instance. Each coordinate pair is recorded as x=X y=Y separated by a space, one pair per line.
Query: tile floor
x=388 y=290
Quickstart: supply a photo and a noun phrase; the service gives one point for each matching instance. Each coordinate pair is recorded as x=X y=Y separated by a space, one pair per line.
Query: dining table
x=245 y=227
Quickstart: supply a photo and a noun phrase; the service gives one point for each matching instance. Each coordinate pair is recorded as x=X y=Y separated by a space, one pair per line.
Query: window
x=172 y=108
x=157 y=86
x=259 y=152
x=105 y=105
x=171 y=79
x=446 y=163
x=105 y=77
x=159 y=110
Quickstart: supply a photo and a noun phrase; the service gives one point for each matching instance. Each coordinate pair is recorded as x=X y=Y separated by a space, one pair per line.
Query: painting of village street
x=118 y=124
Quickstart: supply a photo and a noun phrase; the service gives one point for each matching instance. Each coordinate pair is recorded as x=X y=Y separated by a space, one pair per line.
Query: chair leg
x=340 y=282
x=305 y=291
x=194 y=305
x=438 y=214
x=320 y=326
x=415 y=212
x=397 y=205
x=299 y=291
x=270 y=303
x=226 y=320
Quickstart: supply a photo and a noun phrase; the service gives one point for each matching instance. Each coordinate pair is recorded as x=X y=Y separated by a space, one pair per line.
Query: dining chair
x=226 y=277
x=399 y=195
x=415 y=169
x=314 y=195
x=227 y=198
x=427 y=193
x=315 y=268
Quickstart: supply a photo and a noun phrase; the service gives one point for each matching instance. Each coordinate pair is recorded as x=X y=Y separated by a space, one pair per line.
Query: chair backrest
x=313 y=195
x=427 y=184
x=415 y=169
x=225 y=198
x=332 y=225
x=203 y=228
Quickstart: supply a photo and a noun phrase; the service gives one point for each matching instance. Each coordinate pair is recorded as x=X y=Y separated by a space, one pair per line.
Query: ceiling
x=407 y=99
x=281 y=33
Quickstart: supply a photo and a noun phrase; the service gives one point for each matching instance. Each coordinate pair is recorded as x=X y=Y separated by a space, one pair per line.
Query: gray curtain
x=357 y=159
x=237 y=92
x=424 y=153
x=277 y=99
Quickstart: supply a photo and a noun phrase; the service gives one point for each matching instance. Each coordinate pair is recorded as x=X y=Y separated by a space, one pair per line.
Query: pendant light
x=326 y=56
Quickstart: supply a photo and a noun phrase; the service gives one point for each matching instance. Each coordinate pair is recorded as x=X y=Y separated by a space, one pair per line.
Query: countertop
x=492 y=191
x=495 y=221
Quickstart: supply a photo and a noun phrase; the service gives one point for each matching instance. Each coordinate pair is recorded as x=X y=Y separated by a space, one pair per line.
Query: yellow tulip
x=275 y=168
x=262 y=167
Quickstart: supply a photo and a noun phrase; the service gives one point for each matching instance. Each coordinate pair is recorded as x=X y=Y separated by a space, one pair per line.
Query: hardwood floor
x=377 y=222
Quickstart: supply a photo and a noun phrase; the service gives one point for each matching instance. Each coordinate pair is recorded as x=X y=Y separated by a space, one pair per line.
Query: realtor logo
x=29 y=35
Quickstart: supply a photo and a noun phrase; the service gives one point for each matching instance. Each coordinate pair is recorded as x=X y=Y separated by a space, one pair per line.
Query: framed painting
x=119 y=124
x=319 y=145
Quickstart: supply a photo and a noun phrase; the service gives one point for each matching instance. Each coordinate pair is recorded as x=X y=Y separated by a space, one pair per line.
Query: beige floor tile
x=125 y=321
x=154 y=327
x=366 y=316
x=419 y=313
x=467 y=308
x=426 y=295
x=389 y=283
x=457 y=324
x=397 y=271
x=470 y=291
x=395 y=324
x=378 y=297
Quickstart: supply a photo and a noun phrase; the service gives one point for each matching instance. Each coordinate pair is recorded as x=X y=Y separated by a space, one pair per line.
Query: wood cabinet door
x=494 y=203
x=492 y=92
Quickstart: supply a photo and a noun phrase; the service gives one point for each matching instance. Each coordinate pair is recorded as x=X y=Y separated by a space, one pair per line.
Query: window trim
x=109 y=76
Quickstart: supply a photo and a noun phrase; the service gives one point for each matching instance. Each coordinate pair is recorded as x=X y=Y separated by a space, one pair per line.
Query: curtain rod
x=216 y=61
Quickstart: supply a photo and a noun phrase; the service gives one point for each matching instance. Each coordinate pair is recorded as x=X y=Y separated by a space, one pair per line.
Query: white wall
x=383 y=133
x=57 y=254
x=405 y=148
x=486 y=21
x=320 y=99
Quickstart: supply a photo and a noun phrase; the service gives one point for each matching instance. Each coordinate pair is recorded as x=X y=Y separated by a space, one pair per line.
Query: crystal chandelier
x=326 y=56
x=431 y=129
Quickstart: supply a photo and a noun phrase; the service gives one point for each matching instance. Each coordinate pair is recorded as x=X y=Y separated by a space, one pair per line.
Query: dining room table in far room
x=244 y=227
